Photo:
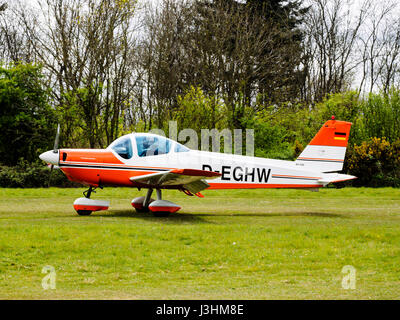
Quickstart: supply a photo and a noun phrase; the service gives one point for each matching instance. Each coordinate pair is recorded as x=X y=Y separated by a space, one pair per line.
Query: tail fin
x=327 y=149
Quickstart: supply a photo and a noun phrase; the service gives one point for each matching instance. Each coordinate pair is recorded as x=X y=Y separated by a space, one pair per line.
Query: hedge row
x=32 y=175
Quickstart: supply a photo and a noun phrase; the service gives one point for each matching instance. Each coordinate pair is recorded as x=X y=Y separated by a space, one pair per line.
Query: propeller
x=55 y=150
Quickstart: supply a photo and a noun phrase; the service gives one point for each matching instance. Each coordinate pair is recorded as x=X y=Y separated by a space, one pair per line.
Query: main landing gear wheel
x=162 y=208
x=141 y=204
x=159 y=207
x=84 y=212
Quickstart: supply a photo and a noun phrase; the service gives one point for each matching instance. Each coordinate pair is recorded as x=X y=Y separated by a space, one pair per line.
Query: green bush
x=381 y=116
x=281 y=132
x=271 y=140
x=376 y=163
x=33 y=175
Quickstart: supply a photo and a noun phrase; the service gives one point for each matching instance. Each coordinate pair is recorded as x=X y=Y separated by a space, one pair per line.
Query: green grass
x=256 y=244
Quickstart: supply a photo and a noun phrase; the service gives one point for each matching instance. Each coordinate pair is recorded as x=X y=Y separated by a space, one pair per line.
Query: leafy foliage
x=272 y=140
x=381 y=115
x=375 y=162
x=27 y=121
x=198 y=111
x=32 y=175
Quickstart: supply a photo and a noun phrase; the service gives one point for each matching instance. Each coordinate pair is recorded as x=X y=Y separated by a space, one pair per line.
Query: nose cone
x=49 y=157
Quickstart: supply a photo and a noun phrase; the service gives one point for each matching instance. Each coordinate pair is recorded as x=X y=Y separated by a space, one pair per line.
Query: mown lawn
x=256 y=244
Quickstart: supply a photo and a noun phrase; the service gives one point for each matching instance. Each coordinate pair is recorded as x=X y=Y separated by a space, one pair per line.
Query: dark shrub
x=33 y=175
x=375 y=162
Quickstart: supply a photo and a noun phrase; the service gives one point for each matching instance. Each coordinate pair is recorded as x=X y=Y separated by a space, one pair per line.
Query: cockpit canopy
x=123 y=146
x=144 y=145
x=152 y=145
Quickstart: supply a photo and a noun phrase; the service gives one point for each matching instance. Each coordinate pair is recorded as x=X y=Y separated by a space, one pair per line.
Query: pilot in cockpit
x=150 y=146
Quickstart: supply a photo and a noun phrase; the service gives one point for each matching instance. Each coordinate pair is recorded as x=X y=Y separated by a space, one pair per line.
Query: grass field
x=263 y=244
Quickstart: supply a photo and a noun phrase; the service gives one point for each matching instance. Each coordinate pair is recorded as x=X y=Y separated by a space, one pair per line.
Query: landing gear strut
x=159 y=207
x=148 y=199
x=88 y=192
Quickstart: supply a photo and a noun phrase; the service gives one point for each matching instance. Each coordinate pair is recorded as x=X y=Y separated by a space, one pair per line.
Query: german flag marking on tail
x=340 y=136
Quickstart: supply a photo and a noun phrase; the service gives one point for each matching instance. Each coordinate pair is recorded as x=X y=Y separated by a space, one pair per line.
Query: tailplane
x=327 y=149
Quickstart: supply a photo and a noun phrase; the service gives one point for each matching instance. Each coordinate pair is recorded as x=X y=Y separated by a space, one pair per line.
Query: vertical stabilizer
x=327 y=149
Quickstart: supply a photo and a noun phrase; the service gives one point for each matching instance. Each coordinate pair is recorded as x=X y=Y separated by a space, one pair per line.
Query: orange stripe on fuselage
x=289 y=176
x=112 y=165
x=217 y=185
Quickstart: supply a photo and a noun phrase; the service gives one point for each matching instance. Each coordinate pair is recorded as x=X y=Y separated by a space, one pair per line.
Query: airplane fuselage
x=107 y=168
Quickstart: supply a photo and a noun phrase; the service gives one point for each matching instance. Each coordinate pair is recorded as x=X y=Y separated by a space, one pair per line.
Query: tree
x=27 y=122
x=379 y=47
x=14 y=42
x=246 y=54
x=331 y=41
x=3 y=6
x=88 y=50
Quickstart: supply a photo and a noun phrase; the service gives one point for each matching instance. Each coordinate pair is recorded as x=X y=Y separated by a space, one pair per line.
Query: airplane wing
x=190 y=179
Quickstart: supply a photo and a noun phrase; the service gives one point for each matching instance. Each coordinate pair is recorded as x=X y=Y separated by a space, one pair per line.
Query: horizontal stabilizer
x=335 y=177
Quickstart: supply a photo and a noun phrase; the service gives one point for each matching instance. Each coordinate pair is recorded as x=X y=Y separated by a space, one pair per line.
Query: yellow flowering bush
x=375 y=162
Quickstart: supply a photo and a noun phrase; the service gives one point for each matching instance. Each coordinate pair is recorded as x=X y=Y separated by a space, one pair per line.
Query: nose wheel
x=159 y=207
x=84 y=212
x=85 y=206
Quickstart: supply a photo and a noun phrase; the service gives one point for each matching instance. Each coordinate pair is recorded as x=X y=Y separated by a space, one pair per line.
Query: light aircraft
x=149 y=161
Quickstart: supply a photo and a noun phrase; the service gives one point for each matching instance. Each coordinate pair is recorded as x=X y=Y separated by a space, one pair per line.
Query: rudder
x=327 y=150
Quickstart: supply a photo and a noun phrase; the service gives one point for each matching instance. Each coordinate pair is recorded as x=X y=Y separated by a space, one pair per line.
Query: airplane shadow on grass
x=177 y=218
x=285 y=214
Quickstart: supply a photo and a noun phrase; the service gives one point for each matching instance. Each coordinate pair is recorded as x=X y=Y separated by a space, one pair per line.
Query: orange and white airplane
x=149 y=161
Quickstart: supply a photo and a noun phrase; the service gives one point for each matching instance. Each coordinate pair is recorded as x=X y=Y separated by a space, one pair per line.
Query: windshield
x=123 y=147
x=181 y=148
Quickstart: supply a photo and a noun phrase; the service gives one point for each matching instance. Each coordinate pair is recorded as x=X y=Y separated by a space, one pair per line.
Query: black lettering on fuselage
x=247 y=174
x=261 y=173
x=238 y=176
x=242 y=174
x=225 y=173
